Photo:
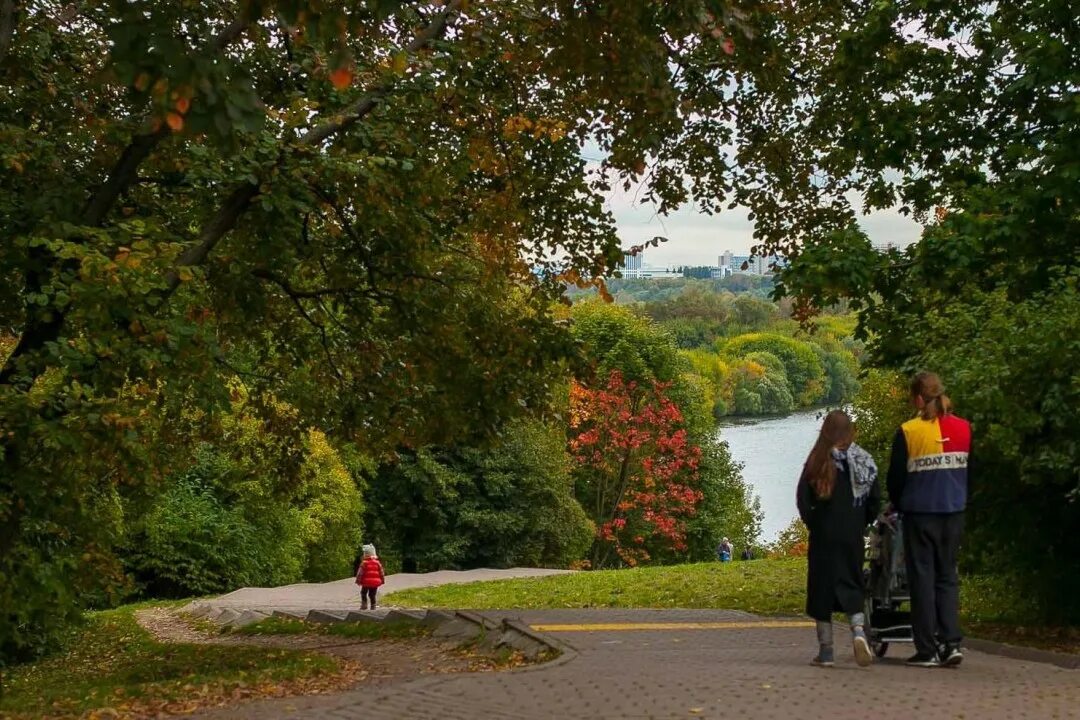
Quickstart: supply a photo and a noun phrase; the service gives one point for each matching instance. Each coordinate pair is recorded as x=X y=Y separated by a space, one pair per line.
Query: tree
x=508 y=504
x=637 y=472
x=803 y=369
x=962 y=114
x=321 y=198
x=613 y=338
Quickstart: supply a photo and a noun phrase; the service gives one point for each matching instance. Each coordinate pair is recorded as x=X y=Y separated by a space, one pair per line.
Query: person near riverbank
x=370 y=577
x=837 y=497
x=928 y=484
x=724 y=551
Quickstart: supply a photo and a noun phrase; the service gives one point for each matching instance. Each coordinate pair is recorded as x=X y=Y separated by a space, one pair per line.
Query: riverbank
x=772 y=450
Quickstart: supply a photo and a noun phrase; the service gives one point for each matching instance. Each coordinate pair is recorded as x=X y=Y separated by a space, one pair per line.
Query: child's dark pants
x=368 y=595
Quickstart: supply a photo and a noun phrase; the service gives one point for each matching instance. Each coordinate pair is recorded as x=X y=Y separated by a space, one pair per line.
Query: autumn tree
x=637 y=470
x=323 y=199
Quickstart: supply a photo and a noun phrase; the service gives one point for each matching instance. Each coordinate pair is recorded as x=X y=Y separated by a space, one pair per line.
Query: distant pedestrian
x=747 y=553
x=724 y=550
x=928 y=482
x=369 y=577
x=838 y=496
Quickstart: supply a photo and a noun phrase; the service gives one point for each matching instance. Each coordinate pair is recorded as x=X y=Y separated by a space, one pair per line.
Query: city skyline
x=696 y=239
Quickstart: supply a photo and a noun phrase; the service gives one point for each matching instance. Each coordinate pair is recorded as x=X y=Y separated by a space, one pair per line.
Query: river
x=772 y=451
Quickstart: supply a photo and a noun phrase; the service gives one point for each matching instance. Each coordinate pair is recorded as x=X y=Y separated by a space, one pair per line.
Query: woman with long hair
x=838 y=496
x=928 y=484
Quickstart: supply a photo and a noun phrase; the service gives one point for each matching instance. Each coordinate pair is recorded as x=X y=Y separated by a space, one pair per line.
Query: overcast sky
x=697 y=239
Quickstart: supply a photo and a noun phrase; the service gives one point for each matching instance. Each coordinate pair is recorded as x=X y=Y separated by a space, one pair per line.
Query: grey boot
x=825 y=657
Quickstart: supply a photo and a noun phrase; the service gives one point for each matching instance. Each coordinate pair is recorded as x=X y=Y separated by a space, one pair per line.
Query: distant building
x=631 y=266
x=731 y=263
x=886 y=246
x=655 y=273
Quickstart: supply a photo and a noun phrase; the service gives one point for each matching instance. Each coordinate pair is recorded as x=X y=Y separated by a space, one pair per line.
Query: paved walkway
x=343 y=595
x=718 y=664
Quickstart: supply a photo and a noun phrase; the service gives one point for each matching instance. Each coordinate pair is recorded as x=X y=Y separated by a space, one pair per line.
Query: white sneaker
x=863 y=655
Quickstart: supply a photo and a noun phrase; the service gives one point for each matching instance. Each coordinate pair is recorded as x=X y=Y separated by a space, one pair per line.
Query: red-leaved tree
x=637 y=470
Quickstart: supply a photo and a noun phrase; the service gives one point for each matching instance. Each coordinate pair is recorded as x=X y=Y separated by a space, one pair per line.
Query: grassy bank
x=113 y=665
x=767 y=587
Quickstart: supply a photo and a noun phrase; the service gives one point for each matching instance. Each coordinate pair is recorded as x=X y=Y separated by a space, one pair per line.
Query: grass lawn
x=769 y=587
x=111 y=662
x=766 y=587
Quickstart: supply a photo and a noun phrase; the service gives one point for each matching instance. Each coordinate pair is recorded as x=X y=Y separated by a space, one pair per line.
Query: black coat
x=834 y=578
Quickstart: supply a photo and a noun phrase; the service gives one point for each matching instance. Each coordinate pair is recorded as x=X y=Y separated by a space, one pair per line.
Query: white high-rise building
x=631 y=265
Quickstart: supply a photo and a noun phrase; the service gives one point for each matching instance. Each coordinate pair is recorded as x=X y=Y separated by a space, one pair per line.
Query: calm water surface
x=772 y=451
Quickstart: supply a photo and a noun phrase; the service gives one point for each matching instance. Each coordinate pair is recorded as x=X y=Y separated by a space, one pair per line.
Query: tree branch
x=123 y=173
x=292 y=292
x=237 y=203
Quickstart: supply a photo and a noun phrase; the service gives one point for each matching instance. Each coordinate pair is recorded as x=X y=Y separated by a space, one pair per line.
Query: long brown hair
x=928 y=386
x=838 y=429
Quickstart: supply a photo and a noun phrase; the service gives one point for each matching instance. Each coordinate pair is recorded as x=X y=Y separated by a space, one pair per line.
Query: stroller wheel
x=880 y=648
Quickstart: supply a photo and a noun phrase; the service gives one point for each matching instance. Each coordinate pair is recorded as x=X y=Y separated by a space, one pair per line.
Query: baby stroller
x=886 y=587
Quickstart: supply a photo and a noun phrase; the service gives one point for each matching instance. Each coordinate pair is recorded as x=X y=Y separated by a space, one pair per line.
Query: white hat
x=369 y=550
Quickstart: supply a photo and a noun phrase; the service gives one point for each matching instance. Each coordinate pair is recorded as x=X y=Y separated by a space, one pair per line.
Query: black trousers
x=931 y=545
x=368 y=593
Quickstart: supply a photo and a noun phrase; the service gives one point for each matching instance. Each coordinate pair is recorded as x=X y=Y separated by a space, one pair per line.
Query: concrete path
x=702 y=664
x=344 y=595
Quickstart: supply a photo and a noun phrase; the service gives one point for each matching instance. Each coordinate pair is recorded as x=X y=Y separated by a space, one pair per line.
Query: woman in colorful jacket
x=928 y=484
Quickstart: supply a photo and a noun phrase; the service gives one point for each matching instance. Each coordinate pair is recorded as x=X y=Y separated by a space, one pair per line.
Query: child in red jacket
x=369 y=577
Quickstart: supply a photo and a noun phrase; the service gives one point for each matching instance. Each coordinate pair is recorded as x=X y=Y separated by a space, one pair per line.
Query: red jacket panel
x=371 y=573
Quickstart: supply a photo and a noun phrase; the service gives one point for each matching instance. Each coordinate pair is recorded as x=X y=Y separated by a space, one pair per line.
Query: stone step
x=327 y=616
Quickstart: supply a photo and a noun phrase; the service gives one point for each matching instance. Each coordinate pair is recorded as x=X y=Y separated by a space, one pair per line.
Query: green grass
x=764 y=587
x=112 y=662
x=357 y=630
x=768 y=587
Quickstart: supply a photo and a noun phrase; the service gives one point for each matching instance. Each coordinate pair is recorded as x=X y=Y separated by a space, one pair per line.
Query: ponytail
x=936 y=403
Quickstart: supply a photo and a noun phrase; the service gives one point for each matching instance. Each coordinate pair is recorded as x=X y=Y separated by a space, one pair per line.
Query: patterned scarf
x=863 y=470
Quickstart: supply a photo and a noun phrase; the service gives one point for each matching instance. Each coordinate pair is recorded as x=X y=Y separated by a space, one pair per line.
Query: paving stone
x=435 y=618
x=364 y=616
x=458 y=629
x=755 y=673
x=403 y=616
x=290 y=614
x=197 y=609
x=326 y=616
x=248 y=617
x=226 y=616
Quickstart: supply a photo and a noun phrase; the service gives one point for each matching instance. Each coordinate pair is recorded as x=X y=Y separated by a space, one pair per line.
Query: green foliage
x=1012 y=369
x=728 y=509
x=193 y=543
x=508 y=504
x=330 y=508
x=881 y=405
x=793 y=541
x=244 y=513
x=804 y=371
x=614 y=338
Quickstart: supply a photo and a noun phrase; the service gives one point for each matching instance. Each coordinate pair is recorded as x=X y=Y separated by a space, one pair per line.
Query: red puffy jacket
x=371 y=573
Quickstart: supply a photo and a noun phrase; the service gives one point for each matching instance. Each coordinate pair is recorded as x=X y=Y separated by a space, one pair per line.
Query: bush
x=793 y=541
x=1013 y=369
x=510 y=504
x=804 y=370
x=197 y=540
